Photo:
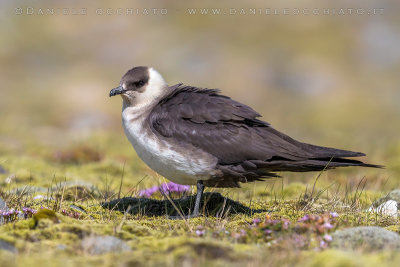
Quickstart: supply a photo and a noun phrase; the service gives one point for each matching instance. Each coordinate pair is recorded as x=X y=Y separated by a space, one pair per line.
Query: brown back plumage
x=247 y=148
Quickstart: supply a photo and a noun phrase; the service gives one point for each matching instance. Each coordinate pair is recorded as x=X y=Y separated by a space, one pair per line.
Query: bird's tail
x=318 y=164
x=313 y=158
x=316 y=158
x=332 y=157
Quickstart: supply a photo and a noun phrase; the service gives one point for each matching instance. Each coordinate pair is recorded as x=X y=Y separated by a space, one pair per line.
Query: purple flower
x=13 y=214
x=328 y=238
x=328 y=225
x=305 y=218
x=286 y=224
x=148 y=191
x=165 y=188
x=334 y=214
x=267 y=231
x=256 y=221
x=322 y=244
x=173 y=188
x=28 y=212
x=299 y=240
x=200 y=232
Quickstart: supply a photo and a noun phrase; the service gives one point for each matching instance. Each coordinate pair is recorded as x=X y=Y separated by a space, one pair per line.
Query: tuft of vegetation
x=214 y=204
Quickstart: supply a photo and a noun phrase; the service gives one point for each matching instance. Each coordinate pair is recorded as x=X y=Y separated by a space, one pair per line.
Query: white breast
x=166 y=158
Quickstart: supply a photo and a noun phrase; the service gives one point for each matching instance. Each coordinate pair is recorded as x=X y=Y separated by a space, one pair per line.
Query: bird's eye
x=139 y=83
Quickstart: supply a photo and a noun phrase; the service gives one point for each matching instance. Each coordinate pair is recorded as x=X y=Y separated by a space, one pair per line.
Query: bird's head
x=140 y=86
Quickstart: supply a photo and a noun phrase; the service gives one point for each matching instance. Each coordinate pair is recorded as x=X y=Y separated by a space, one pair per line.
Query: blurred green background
x=331 y=80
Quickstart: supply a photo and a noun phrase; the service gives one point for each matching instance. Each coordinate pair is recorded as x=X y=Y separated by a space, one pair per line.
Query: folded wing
x=232 y=132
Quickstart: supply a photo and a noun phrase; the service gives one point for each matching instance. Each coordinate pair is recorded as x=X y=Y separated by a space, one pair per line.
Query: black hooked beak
x=117 y=91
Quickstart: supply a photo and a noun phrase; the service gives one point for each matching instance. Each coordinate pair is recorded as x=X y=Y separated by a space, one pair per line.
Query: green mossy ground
x=87 y=192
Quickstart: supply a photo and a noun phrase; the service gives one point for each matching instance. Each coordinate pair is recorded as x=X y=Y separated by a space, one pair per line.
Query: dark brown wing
x=232 y=132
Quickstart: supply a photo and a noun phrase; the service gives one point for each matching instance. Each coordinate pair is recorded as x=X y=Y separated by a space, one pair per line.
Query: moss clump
x=44 y=217
x=215 y=204
x=336 y=258
x=134 y=230
x=393 y=228
x=204 y=249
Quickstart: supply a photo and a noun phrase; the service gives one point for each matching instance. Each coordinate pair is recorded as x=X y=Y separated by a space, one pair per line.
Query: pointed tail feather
x=342 y=162
x=333 y=157
x=313 y=164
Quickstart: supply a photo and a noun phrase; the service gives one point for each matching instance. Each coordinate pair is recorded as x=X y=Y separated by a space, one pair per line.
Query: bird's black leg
x=196 y=210
x=200 y=189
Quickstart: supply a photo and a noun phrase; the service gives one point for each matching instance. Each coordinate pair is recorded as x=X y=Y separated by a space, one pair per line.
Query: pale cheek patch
x=141 y=89
x=156 y=84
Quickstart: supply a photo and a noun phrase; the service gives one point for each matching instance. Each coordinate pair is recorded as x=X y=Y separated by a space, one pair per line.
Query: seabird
x=198 y=136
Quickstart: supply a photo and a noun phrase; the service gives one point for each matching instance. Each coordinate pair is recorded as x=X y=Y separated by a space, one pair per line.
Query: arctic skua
x=193 y=135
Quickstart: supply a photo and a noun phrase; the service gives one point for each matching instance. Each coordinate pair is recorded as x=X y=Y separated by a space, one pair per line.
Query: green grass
x=74 y=180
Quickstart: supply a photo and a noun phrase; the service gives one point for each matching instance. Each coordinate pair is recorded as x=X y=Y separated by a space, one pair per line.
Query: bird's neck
x=141 y=108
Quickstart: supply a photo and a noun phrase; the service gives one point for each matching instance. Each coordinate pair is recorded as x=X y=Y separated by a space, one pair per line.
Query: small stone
x=393 y=195
x=77 y=208
x=3 y=207
x=369 y=238
x=7 y=246
x=96 y=245
x=388 y=208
